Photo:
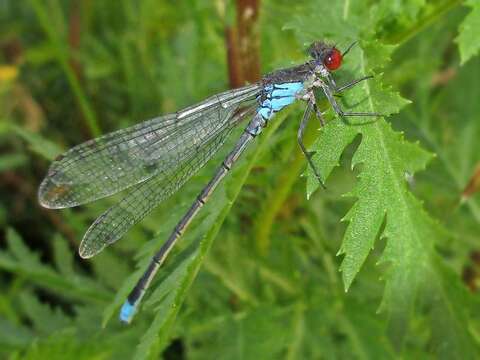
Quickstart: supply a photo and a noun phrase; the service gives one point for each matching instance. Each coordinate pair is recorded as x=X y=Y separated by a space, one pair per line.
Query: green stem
x=230 y=283
x=298 y=325
x=423 y=23
x=62 y=59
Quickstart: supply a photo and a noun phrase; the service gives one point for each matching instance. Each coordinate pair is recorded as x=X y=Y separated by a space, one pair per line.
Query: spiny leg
x=301 y=129
x=352 y=84
x=349 y=48
x=318 y=113
x=338 y=109
x=336 y=91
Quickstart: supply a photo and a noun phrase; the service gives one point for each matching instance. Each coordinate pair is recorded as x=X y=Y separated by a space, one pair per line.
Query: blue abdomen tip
x=127 y=311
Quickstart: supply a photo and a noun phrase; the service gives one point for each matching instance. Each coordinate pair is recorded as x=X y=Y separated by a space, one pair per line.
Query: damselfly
x=156 y=157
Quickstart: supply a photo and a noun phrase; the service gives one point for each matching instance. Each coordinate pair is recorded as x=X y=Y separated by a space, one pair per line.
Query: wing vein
x=116 y=161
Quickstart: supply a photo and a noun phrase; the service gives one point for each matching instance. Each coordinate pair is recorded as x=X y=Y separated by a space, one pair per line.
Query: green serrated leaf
x=37 y=143
x=66 y=345
x=384 y=206
x=14 y=335
x=44 y=319
x=22 y=253
x=467 y=38
x=450 y=303
x=19 y=259
x=382 y=196
x=63 y=256
x=259 y=334
x=12 y=161
x=333 y=140
x=402 y=11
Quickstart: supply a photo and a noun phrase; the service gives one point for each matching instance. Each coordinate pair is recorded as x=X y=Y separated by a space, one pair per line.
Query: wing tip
x=84 y=254
x=50 y=194
x=85 y=251
x=88 y=246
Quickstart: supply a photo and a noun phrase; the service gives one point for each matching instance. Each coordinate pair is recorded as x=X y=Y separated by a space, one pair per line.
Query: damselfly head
x=327 y=55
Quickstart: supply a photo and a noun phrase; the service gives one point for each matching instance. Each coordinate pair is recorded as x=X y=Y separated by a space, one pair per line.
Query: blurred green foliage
x=269 y=286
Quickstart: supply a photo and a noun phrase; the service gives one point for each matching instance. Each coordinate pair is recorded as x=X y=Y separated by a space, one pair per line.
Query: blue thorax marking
x=277 y=97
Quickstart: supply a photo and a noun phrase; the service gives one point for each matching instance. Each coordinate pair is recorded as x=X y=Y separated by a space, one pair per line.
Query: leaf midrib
x=391 y=171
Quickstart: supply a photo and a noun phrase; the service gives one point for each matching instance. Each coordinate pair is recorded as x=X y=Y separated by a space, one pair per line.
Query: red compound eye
x=333 y=60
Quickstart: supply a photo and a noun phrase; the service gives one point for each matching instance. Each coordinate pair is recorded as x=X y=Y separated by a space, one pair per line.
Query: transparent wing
x=118 y=160
x=117 y=220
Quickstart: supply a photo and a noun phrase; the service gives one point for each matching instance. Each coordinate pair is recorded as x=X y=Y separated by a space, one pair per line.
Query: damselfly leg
x=336 y=107
x=301 y=129
x=351 y=84
x=318 y=113
x=312 y=106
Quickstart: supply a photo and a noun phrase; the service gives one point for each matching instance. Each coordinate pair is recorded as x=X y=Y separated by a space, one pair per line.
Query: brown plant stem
x=243 y=44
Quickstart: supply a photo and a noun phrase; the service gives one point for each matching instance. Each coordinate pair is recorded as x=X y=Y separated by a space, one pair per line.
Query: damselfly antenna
x=349 y=48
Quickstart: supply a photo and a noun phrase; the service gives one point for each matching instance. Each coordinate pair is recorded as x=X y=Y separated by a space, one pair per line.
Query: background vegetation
x=269 y=286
